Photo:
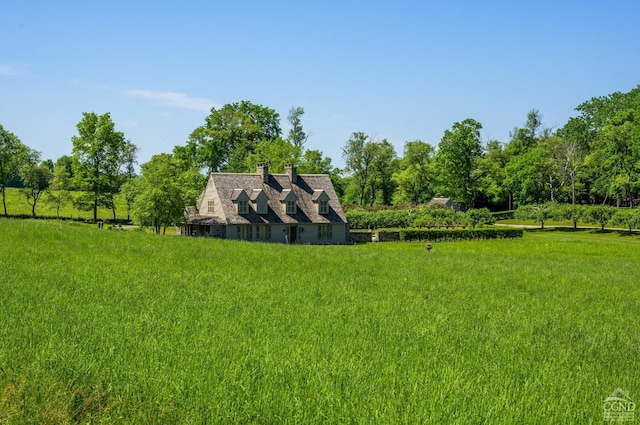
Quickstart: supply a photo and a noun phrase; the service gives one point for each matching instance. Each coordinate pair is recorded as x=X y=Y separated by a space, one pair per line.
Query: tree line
x=593 y=159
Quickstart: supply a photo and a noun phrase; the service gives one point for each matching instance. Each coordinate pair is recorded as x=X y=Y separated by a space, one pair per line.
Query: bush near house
x=436 y=216
x=436 y=235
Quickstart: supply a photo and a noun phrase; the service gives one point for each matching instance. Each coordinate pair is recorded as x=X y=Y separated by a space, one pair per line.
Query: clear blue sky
x=401 y=70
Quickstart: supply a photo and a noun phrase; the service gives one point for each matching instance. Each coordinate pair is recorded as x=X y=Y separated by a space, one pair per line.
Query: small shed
x=447 y=202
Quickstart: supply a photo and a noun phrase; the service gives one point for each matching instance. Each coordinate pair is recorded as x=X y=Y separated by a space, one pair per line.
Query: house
x=286 y=208
x=447 y=202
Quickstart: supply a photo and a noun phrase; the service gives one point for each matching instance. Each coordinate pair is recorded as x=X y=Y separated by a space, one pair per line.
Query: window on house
x=325 y=231
x=243 y=207
x=291 y=207
x=323 y=207
x=250 y=236
x=210 y=205
x=242 y=232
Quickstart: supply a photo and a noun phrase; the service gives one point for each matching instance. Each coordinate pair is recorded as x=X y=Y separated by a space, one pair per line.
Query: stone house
x=285 y=208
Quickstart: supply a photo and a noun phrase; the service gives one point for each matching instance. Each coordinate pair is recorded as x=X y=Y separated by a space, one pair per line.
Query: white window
x=243 y=207
x=325 y=231
x=210 y=205
x=291 y=207
x=323 y=207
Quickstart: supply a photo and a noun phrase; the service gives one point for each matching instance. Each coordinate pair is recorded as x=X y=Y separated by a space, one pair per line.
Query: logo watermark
x=619 y=407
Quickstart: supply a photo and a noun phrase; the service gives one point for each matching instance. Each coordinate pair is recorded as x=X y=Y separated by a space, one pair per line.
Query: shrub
x=599 y=214
x=539 y=213
x=627 y=218
x=433 y=235
x=480 y=217
x=571 y=212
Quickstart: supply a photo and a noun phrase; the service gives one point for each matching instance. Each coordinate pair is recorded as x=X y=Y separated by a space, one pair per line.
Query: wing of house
x=288 y=208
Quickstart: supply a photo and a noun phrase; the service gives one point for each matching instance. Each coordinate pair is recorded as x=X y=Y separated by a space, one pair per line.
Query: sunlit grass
x=17 y=204
x=127 y=327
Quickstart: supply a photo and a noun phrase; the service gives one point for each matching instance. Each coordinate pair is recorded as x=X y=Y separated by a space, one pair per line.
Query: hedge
x=434 y=235
x=504 y=215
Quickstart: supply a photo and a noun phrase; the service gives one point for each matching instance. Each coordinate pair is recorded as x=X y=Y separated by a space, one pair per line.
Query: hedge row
x=434 y=235
x=433 y=216
x=504 y=215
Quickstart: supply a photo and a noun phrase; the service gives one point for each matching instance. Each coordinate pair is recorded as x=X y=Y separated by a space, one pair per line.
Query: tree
x=629 y=218
x=415 y=178
x=537 y=212
x=37 y=179
x=231 y=133
x=98 y=152
x=58 y=193
x=458 y=155
x=297 y=136
x=277 y=153
x=13 y=155
x=525 y=177
x=130 y=191
x=358 y=162
x=599 y=214
x=383 y=158
x=492 y=175
x=571 y=212
x=165 y=189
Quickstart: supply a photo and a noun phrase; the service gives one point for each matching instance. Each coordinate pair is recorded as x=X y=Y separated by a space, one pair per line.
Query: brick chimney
x=262 y=169
x=290 y=170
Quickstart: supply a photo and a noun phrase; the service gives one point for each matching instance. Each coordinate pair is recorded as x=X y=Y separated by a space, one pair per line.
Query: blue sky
x=400 y=70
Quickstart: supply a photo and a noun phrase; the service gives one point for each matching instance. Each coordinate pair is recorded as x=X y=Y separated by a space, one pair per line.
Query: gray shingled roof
x=227 y=185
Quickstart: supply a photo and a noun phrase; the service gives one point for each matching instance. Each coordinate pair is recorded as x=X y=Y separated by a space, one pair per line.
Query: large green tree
x=458 y=155
x=358 y=163
x=13 y=155
x=415 y=177
x=231 y=133
x=99 y=153
x=383 y=163
x=277 y=153
x=164 y=190
x=492 y=178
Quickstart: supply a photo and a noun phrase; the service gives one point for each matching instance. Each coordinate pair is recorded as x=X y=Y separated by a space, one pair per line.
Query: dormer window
x=259 y=200
x=210 y=206
x=321 y=199
x=243 y=207
x=289 y=201
x=323 y=207
x=241 y=200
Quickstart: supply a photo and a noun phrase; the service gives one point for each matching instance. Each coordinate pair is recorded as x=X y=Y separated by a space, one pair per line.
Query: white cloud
x=175 y=100
x=12 y=70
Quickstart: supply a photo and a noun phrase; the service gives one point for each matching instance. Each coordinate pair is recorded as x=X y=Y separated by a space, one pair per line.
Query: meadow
x=17 y=204
x=101 y=326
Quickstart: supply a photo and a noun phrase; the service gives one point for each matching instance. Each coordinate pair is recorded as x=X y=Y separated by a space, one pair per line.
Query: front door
x=293 y=234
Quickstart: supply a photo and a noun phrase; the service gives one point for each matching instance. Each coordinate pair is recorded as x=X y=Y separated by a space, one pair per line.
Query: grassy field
x=17 y=204
x=101 y=326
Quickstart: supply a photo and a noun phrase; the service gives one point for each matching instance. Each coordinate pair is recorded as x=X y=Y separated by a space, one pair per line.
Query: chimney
x=262 y=169
x=290 y=170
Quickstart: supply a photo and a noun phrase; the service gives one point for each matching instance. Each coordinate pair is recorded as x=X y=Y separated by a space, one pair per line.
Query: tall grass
x=102 y=327
x=17 y=204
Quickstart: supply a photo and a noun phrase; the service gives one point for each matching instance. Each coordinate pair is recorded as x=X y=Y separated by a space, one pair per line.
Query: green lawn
x=17 y=204
x=102 y=326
